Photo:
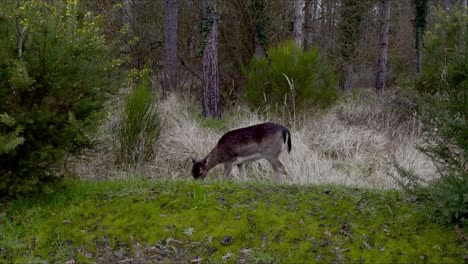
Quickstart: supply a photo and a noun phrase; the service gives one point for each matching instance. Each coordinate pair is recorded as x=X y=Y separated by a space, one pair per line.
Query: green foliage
x=55 y=75
x=445 y=54
x=138 y=131
x=444 y=111
x=10 y=141
x=291 y=78
x=91 y=221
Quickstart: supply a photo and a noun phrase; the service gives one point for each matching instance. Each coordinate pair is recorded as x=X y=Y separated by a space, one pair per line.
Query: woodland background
x=104 y=103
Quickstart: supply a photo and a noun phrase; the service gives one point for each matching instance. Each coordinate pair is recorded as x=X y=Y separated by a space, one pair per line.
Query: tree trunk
x=322 y=23
x=421 y=11
x=352 y=13
x=298 y=22
x=128 y=17
x=258 y=52
x=464 y=5
x=210 y=61
x=446 y=5
x=418 y=60
x=383 y=46
x=257 y=14
x=309 y=29
x=345 y=79
x=170 y=46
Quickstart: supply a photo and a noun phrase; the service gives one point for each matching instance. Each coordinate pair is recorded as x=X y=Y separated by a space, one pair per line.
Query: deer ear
x=204 y=161
x=193 y=161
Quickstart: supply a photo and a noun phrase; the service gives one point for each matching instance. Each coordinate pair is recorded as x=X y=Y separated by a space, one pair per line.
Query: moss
x=265 y=223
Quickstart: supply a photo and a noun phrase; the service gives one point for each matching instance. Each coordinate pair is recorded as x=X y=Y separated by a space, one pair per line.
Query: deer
x=236 y=147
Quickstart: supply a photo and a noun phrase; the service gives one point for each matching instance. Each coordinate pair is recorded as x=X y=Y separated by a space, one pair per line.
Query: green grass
x=179 y=221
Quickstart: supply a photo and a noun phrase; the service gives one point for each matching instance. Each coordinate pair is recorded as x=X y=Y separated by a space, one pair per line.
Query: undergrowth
x=220 y=222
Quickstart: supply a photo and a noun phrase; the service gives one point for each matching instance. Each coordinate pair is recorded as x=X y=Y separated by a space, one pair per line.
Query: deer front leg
x=227 y=169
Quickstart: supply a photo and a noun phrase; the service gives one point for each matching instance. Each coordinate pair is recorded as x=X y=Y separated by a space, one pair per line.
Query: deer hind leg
x=277 y=167
x=241 y=168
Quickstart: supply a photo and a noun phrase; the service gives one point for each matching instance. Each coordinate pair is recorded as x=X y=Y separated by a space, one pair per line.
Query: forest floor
x=153 y=221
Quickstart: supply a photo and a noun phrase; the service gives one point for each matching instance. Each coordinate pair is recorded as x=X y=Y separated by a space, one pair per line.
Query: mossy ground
x=220 y=221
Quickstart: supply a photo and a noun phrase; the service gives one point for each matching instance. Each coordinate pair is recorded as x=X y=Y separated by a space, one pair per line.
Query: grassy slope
x=180 y=221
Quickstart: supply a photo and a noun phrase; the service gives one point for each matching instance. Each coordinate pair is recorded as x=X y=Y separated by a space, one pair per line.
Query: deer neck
x=212 y=159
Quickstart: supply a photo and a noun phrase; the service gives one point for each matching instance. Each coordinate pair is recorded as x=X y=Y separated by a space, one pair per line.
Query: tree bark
x=170 y=46
x=421 y=11
x=346 y=77
x=210 y=82
x=383 y=46
x=446 y=5
x=309 y=20
x=298 y=22
x=352 y=13
x=463 y=25
x=259 y=20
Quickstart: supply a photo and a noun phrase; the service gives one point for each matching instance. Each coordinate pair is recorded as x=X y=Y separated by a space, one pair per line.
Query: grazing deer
x=266 y=140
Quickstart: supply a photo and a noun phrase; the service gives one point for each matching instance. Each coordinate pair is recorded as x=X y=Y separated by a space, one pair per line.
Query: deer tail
x=287 y=138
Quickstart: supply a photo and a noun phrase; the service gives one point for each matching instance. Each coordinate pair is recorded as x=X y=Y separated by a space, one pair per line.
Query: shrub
x=444 y=110
x=56 y=71
x=10 y=141
x=290 y=76
x=140 y=126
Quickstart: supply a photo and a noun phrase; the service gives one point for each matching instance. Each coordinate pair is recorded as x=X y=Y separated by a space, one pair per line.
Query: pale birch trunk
x=210 y=82
x=383 y=46
x=298 y=22
x=170 y=46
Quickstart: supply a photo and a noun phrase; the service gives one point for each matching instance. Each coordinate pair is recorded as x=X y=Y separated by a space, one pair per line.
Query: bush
x=140 y=126
x=290 y=77
x=444 y=109
x=444 y=46
x=55 y=75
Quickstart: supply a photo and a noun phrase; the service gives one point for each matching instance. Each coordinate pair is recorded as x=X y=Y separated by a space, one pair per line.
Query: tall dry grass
x=354 y=143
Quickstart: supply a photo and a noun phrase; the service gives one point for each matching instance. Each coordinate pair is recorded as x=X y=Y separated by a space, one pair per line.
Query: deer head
x=199 y=170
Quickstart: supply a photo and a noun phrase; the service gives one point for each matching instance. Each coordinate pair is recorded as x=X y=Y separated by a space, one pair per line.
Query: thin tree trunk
x=383 y=43
x=258 y=52
x=421 y=10
x=418 y=60
x=298 y=22
x=257 y=13
x=331 y=21
x=170 y=46
x=322 y=23
x=346 y=77
x=21 y=37
x=309 y=21
x=446 y=5
x=210 y=84
x=464 y=5
x=352 y=13
x=129 y=16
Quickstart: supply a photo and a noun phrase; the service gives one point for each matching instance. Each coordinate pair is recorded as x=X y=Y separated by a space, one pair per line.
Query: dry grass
x=353 y=144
